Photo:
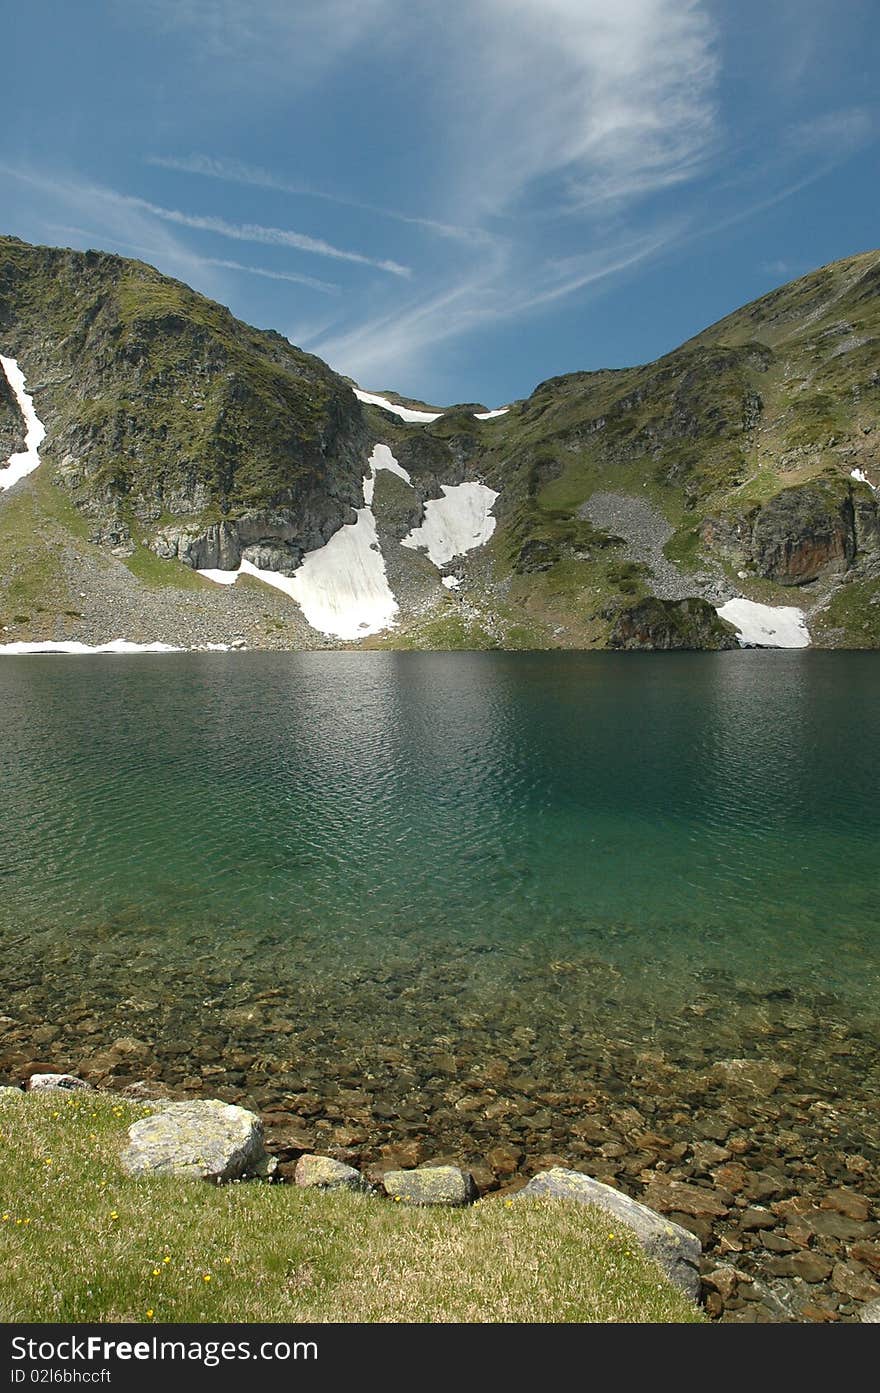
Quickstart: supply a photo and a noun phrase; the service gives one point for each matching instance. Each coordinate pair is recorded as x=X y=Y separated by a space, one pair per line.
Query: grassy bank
x=79 y=1241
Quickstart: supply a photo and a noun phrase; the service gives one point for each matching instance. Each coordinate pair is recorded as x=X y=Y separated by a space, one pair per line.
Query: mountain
x=619 y=508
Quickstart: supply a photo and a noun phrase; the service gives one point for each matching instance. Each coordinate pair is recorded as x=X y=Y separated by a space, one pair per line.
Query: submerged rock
x=675 y=1249
x=323 y=1173
x=210 y=1139
x=432 y=1185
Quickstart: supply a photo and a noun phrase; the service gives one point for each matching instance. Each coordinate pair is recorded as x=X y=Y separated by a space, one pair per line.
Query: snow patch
x=406 y=413
x=382 y=458
x=118 y=645
x=861 y=477
x=27 y=460
x=342 y=588
x=220 y=577
x=409 y=413
x=273 y=578
x=454 y=524
x=766 y=626
x=451 y=582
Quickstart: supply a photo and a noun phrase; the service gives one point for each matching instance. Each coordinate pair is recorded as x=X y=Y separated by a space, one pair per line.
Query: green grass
x=854 y=608
x=153 y=571
x=80 y=1241
x=33 y=522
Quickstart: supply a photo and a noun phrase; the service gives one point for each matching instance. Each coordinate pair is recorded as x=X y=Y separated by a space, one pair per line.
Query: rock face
x=431 y=1185
x=819 y=529
x=159 y=404
x=672 y=624
x=677 y=1251
x=323 y=1173
x=11 y=424
x=211 y=1140
x=804 y=532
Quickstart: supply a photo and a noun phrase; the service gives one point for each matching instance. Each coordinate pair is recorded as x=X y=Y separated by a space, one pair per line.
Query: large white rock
x=38 y=1083
x=207 y=1139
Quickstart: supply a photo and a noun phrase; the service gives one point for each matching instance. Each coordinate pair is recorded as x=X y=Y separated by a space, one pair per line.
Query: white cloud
x=578 y=108
x=616 y=92
x=376 y=350
x=82 y=194
x=533 y=119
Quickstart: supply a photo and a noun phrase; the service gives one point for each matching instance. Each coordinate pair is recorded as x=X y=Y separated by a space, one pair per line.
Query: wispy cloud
x=377 y=348
x=834 y=133
x=549 y=140
x=254 y=232
x=236 y=172
x=82 y=193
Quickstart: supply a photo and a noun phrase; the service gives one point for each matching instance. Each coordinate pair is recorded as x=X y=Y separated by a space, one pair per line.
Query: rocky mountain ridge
x=180 y=440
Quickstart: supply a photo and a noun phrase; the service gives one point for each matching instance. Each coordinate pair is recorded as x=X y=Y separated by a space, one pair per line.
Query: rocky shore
x=777 y=1186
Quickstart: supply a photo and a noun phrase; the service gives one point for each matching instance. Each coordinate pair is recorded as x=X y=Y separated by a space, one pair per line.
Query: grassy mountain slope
x=165 y=410
x=744 y=439
x=176 y=433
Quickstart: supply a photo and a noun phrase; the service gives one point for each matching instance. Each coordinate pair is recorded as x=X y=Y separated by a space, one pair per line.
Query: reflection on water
x=715 y=807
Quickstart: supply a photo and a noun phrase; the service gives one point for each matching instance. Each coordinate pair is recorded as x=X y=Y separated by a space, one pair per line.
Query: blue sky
x=454 y=200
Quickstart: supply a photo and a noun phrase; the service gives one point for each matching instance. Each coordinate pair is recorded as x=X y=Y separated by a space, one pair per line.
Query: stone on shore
x=208 y=1139
x=431 y=1185
x=675 y=1249
x=323 y=1173
x=63 y=1082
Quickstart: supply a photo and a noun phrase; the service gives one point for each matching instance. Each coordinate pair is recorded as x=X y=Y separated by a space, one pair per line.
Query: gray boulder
x=431 y=1185
x=63 y=1082
x=871 y=1312
x=7 y=1091
x=207 y=1139
x=323 y=1173
x=674 y=1248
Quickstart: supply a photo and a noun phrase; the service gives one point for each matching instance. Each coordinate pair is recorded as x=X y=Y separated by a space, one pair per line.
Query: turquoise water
x=277 y=871
x=728 y=801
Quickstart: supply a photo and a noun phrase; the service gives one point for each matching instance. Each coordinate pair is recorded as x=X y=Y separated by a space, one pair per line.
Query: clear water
x=307 y=868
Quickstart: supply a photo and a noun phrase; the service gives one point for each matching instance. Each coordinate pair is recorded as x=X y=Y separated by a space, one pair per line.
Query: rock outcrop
x=11 y=424
x=671 y=624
